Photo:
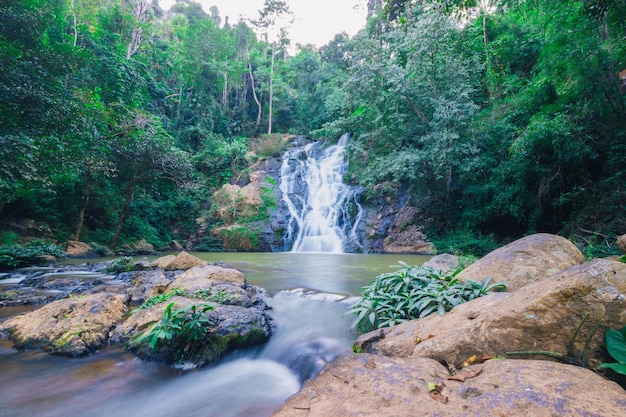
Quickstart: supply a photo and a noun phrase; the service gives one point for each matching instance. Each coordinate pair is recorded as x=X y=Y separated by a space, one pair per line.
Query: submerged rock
x=371 y=385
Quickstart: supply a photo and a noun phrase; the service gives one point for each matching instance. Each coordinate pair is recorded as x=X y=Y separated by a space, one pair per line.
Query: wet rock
x=234 y=327
x=74 y=326
x=543 y=316
x=370 y=385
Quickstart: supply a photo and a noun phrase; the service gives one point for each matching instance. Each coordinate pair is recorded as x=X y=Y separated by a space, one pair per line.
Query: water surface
x=310 y=331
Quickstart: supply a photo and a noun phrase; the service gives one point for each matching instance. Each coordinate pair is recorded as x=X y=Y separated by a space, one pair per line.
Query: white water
x=310 y=331
x=317 y=198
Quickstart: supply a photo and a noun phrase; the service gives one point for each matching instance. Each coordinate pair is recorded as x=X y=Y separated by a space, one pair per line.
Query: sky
x=316 y=21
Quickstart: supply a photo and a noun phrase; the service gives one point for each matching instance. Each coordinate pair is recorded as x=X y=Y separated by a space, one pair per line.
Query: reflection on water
x=310 y=331
x=333 y=273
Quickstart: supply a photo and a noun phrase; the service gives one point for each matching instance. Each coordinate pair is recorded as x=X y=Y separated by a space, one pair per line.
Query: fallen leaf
x=435 y=392
x=472 y=360
x=465 y=374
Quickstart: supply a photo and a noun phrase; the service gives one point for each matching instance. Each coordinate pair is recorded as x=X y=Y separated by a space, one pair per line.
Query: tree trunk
x=256 y=99
x=130 y=191
x=83 y=209
x=269 y=123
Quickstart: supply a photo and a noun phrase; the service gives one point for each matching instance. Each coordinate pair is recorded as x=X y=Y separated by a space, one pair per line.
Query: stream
x=309 y=295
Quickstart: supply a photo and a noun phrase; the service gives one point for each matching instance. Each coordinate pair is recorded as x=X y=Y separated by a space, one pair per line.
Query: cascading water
x=324 y=212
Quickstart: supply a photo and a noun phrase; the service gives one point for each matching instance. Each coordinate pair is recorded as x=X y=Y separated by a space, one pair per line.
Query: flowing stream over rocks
x=324 y=212
x=310 y=330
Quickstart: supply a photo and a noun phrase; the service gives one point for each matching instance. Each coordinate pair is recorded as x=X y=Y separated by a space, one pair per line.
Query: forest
x=119 y=120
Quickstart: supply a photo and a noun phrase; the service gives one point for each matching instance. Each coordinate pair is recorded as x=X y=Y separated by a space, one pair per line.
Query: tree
x=271 y=14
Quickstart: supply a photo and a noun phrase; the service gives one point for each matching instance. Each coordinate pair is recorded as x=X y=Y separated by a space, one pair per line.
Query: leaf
x=616 y=344
x=465 y=374
x=620 y=368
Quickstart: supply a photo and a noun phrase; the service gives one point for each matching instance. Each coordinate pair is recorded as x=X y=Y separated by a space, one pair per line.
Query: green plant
x=216 y=296
x=119 y=265
x=571 y=356
x=15 y=256
x=161 y=298
x=413 y=292
x=616 y=345
x=181 y=334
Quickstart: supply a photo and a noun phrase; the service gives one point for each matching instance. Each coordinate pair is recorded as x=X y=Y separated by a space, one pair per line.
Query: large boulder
x=234 y=327
x=74 y=326
x=205 y=276
x=524 y=261
x=370 y=385
x=542 y=316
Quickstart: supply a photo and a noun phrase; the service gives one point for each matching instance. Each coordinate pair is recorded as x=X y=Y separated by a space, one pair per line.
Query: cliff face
x=392 y=224
x=255 y=217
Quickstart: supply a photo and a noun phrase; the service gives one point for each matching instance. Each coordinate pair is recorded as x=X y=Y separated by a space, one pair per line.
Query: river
x=305 y=291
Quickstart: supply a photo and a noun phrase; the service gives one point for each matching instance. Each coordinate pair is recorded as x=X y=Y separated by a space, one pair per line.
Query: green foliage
x=182 y=333
x=216 y=296
x=35 y=252
x=616 y=345
x=119 y=265
x=413 y=292
x=464 y=242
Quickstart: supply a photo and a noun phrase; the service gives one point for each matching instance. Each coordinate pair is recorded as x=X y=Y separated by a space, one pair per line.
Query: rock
x=544 y=316
x=182 y=261
x=443 y=263
x=146 y=284
x=175 y=246
x=621 y=243
x=205 y=276
x=391 y=223
x=524 y=261
x=234 y=328
x=76 y=249
x=164 y=261
x=73 y=326
x=369 y=385
x=139 y=248
x=408 y=240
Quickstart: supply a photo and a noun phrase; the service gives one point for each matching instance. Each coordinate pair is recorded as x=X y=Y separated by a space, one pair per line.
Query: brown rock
x=621 y=243
x=73 y=326
x=369 y=385
x=76 y=249
x=176 y=246
x=524 y=261
x=408 y=240
x=146 y=284
x=443 y=263
x=544 y=316
x=182 y=261
x=205 y=276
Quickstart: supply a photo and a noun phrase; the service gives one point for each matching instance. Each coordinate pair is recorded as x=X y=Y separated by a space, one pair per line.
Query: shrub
x=119 y=265
x=16 y=256
x=181 y=334
x=413 y=292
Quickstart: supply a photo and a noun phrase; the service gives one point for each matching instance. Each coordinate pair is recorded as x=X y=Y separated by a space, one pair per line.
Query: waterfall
x=324 y=212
